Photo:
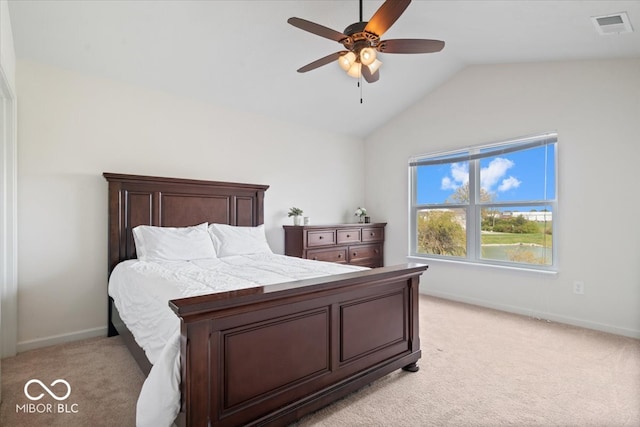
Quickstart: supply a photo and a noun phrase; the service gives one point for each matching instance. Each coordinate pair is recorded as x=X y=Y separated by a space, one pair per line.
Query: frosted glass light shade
x=367 y=56
x=347 y=60
x=375 y=66
x=354 y=71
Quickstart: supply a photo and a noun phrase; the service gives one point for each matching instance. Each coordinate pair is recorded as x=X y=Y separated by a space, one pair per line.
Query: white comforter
x=141 y=291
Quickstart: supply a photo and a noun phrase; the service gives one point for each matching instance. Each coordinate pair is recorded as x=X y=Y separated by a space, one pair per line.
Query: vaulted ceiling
x=243 y=54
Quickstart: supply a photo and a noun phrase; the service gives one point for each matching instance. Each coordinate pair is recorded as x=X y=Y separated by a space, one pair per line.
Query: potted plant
x=296 y=213
x=361 y=213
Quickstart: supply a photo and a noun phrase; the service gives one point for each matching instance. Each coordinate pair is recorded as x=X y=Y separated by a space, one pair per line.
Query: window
x=492 y=204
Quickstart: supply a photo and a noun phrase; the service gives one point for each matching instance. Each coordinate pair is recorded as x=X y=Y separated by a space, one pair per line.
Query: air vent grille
x=617 y=23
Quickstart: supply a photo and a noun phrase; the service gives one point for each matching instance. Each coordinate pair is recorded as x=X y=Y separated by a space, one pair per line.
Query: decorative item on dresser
x=360 y=244
x=361 y=213
x=296 y=213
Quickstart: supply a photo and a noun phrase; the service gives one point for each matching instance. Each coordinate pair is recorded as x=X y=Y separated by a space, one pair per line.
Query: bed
x=335 y=334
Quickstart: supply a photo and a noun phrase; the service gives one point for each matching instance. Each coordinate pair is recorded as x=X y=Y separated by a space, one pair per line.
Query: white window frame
x=473 y=209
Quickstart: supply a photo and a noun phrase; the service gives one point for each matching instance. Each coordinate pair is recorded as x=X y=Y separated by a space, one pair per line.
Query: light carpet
x=479 y=367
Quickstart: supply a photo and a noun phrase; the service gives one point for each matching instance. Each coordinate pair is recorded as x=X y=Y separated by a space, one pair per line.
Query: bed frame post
x=196 y=361
x=111 y=331
x=414 y=292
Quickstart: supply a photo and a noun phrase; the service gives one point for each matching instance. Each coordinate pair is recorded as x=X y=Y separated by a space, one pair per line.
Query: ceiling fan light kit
x=362 y=42
x=375 y=66
x=352 y=64
x=367 y=56
x=355 y=70
x=347 y=60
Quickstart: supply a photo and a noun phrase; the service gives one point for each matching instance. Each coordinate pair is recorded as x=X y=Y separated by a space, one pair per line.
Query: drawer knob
x=339 y=255
x=320 y=237
x=348 y=235
x=315 y=258
x=355 y=254
x=372 y=234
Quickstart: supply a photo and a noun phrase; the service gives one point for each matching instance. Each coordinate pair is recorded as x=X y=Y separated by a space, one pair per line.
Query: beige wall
x=595 y=108
x=73 y=127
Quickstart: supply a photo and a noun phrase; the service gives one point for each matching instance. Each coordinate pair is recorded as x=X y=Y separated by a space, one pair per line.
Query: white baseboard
x=554 y=317
x=61 y=339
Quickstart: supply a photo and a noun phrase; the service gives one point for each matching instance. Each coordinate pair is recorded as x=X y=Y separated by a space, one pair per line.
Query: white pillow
x=173 y=243
x=232 y=240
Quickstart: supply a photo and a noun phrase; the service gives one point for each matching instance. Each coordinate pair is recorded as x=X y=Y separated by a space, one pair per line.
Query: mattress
x=141 y=291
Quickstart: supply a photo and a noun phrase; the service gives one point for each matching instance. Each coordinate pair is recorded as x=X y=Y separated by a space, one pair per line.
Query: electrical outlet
x=578 y=288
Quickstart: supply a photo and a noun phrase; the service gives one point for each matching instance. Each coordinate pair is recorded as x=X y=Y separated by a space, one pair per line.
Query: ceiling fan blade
x=322 y=61
x=386 y=15
x=317 y=29
x=410 y=46
x=368 y=76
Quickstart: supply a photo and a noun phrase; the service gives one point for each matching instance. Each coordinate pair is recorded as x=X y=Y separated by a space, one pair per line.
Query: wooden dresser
x=359 y=244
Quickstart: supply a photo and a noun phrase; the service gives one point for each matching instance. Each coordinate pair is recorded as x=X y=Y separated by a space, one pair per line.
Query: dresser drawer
x=349 y=236
x=321 y=238
x=373 y=235
x=330 y=255
x=368 y=262
x=356 y=243
x=362 y=252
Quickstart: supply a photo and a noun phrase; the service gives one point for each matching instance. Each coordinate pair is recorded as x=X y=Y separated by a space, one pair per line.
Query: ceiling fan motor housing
x=357 y=39
x=357 y=27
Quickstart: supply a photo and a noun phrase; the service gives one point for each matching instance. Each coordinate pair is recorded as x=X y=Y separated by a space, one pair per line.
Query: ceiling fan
x=362 y=40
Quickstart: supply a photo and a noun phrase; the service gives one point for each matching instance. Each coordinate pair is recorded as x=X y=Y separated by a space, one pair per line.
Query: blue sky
x=508 y=177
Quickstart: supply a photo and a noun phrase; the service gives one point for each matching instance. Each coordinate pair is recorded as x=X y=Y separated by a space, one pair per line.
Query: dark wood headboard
x=172 y=202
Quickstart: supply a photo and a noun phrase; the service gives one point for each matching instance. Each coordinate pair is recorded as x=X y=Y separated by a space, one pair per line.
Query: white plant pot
x=296 y=220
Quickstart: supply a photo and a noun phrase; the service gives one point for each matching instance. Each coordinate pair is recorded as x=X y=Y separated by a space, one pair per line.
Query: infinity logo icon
x=52 y=394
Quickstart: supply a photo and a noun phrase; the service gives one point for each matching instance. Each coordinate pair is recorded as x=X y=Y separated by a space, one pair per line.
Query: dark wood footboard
x=269 y=355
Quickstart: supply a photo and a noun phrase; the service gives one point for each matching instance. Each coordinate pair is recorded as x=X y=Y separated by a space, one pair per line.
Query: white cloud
x=490 y=176
x=509 y=183
x=448 y=184
x=460 y=172
x=494 y=172
x=459 y=177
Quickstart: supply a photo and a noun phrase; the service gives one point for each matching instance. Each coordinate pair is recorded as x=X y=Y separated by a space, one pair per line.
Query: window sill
x=466 y=263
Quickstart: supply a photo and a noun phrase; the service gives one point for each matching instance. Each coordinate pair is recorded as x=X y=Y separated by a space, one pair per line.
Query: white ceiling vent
x=616 y=23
